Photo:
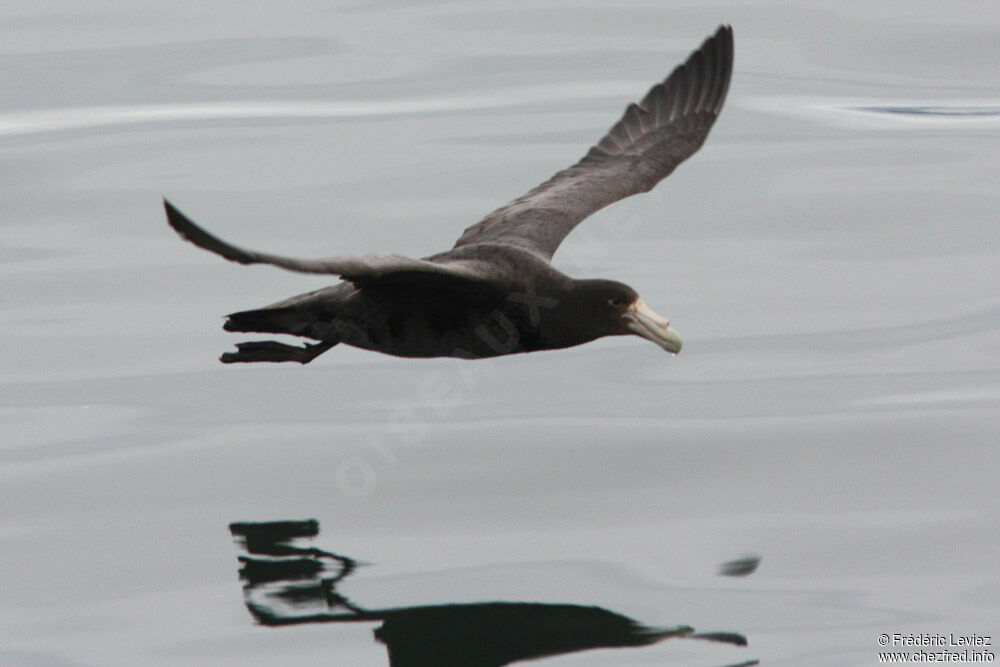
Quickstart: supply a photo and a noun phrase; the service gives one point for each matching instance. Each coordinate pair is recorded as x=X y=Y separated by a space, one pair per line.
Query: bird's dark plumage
x=495 y=292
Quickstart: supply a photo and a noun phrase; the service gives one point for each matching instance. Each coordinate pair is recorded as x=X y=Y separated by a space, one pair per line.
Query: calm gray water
x=831 y=257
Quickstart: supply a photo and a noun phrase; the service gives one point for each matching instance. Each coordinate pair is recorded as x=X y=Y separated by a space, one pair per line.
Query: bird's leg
x=270 y=350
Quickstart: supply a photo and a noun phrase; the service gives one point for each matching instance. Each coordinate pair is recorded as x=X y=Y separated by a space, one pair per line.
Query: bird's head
x=618 y=310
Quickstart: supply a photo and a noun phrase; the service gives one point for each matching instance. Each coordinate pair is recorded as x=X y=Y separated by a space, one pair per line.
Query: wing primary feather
x=650 y=139
x=201 y=238
x=359 y=269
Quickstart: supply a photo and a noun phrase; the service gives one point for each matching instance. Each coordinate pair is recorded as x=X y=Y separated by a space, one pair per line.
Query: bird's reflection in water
x=287 y=584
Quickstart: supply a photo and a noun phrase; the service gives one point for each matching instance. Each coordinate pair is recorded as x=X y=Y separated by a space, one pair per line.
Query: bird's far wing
x=359 y=269
x=652 y=138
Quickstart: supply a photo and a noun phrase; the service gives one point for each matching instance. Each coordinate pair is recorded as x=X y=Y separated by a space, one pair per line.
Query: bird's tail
x=272 y=320
x=268 y=320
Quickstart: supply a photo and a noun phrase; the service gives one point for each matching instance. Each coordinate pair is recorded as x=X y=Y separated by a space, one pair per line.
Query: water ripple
x=883 y=114
x=937 y=111
x=42 y=121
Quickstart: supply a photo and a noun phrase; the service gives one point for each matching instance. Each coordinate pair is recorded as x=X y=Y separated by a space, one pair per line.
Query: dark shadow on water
x=740 y=567
x=288 y=584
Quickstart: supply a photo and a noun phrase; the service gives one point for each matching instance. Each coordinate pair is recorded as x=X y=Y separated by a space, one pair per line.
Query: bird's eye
x=616 y=301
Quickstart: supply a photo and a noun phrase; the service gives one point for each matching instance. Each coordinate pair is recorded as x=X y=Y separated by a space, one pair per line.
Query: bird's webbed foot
x=273 y=351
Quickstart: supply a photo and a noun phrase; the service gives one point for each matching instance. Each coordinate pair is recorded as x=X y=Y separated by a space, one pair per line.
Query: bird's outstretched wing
x=652 y=138
x=359 y=269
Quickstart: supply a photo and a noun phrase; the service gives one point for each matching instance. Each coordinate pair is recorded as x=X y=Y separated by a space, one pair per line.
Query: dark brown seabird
x=495 y=291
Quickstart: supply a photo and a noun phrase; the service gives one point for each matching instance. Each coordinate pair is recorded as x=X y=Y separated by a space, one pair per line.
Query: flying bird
x=495 y=292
